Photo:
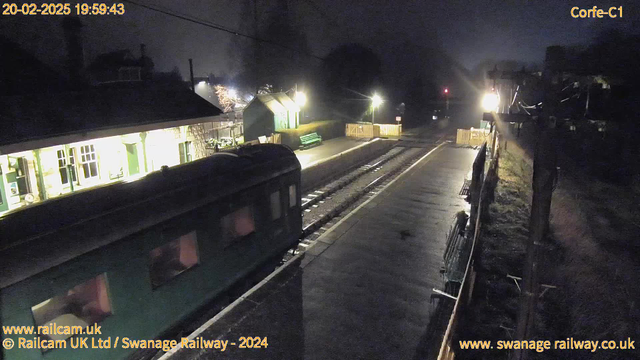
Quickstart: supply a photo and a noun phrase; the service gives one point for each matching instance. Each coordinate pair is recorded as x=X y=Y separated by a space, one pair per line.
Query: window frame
x=67 y=167
x=185 y=152
x=88 y=156
x=103 y=284
x=167 y=244
x=229 y=241
x=294 y=197
x=278 y=199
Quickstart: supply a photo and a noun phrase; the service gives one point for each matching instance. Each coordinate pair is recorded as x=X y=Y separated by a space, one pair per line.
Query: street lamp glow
x=376 y=101
x=300 y=98
x=490 y=102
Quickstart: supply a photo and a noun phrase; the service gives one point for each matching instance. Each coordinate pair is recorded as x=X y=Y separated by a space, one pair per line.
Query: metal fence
x=485 y=169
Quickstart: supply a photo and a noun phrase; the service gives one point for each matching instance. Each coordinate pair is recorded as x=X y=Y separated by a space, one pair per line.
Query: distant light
x=446 y=90
x=232 y=93
x=202 y=83
x=490 y=102
x=300 y=98
x=376 y=101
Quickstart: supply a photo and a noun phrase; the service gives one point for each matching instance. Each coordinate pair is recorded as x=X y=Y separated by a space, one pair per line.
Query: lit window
x=276 y=210
x=237 y=224
x=89 y=161
x=173 y=258
x=82 y=306
x=293 y=196
x=66 y=167
x=22 y=176
x=1 y=192
x=185 y=152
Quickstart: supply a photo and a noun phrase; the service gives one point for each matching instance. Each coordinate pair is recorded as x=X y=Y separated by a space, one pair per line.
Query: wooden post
x=193 y=85
x=544 y=177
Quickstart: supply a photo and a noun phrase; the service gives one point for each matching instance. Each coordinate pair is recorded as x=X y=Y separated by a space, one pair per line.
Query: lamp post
x=490 y=102
x=446 y=101
x=376 y=101
x=301 y=99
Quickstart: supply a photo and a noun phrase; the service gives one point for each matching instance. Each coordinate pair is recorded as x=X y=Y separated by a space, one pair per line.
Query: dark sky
x=469 y=31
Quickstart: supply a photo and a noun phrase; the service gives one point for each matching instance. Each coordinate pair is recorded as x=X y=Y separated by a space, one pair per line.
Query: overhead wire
x=324 y=15
x=218 y=27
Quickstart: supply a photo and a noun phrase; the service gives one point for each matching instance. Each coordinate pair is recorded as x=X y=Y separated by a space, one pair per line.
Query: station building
x=267 y=114
x=57 y=143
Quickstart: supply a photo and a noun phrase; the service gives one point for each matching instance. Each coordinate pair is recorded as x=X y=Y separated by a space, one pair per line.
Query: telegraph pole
x=544 y=178
x=193 y=84
x=257 y=45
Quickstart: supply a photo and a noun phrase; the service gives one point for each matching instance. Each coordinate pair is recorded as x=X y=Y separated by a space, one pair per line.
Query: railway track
x=336 y=185
x=321 y=209
x=324 y=207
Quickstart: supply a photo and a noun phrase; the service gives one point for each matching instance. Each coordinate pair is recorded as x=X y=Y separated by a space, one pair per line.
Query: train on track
x=139 y=258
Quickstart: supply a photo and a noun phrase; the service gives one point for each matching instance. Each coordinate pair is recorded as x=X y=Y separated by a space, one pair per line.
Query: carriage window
x=81 y=306
x=276 y=210
x=237 y=224
x=173 y=258
x=293 y=196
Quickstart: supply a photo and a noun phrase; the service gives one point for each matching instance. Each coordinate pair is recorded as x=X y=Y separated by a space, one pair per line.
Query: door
x=4 y=205
x=132 y=159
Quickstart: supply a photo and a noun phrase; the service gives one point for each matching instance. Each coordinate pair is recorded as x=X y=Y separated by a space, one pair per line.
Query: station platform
x=327 y=149
x=363 y=290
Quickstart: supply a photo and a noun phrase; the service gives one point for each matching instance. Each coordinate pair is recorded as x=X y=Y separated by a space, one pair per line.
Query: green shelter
x=269 y=113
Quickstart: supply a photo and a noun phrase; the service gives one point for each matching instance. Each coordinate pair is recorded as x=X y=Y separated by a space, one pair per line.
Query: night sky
x=469 y=31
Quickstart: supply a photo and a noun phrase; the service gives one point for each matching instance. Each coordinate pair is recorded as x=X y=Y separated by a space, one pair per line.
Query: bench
x=310 y=140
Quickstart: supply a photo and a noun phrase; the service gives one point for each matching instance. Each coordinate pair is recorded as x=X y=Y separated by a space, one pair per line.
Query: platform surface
x=363 y=290
x=327 y=149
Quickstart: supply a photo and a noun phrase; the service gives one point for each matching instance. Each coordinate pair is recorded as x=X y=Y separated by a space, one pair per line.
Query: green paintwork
x=132 y=159
x=140 y=313
x=310 y=139
x=293 y=120
x=12 y=177
x=280 y=121
x=4 y=200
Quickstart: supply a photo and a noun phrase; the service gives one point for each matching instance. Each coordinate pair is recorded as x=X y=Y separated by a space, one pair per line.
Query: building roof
x=114 y=59
x=271 y=103
x=43 y=116
x=22 y=73
x=277 y=102
x=285 y=100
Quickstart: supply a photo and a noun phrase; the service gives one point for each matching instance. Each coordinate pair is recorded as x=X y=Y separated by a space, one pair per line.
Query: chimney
x=75 y=52
x=146 y=64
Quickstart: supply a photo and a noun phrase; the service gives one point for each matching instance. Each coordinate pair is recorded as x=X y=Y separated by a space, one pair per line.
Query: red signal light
x=446 y=90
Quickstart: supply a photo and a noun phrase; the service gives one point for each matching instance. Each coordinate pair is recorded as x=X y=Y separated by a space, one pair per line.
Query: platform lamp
x=376 y=101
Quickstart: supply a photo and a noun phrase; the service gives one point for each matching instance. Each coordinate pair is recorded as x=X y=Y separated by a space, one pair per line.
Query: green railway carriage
x=138 y=258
